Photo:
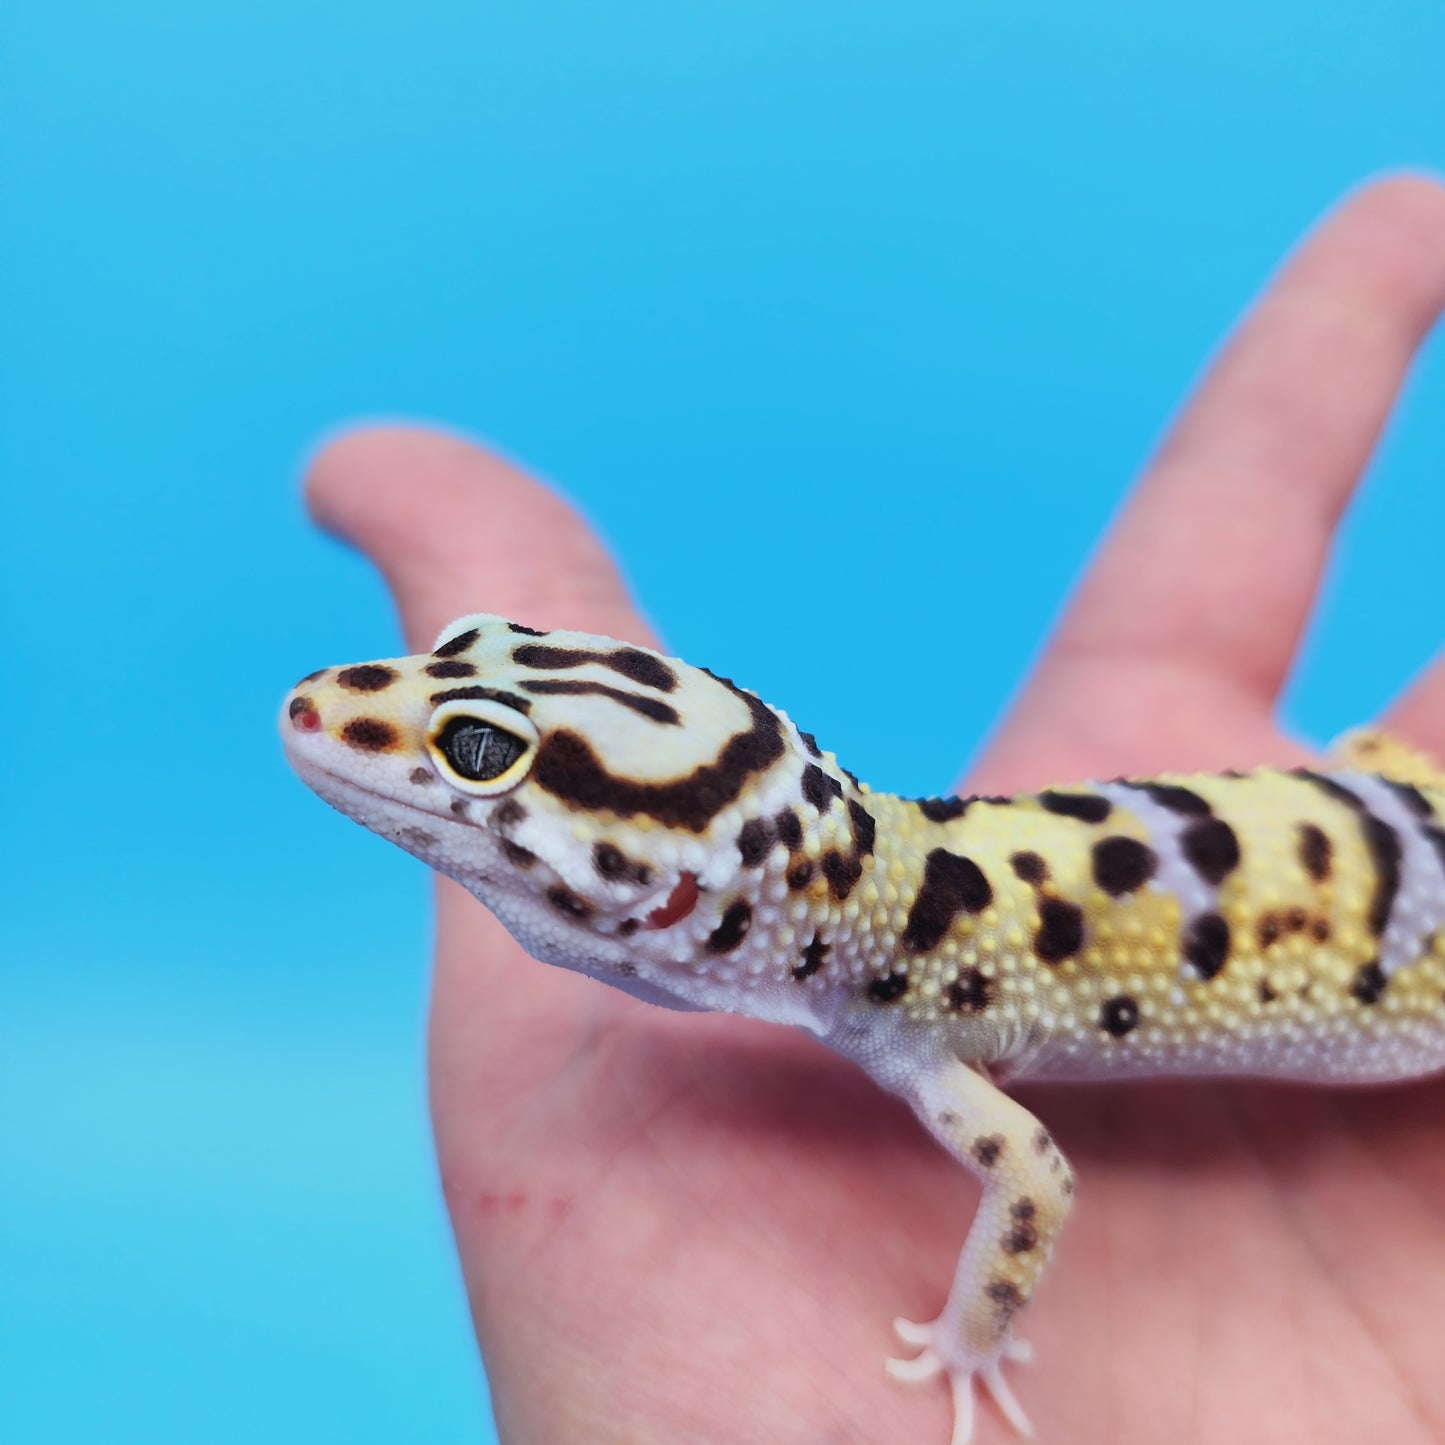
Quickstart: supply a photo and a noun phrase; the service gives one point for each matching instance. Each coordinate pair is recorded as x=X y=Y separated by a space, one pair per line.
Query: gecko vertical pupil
x=479 y=751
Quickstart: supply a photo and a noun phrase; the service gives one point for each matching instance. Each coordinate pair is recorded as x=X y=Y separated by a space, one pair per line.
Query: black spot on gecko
x=1315 y=851
x=1119 y=1016
x=449 y=667
x=951 y=883
x=1123 y=865
x=567 y=903
x=1384 y=845
x=507 y=814
x=842 y=873
x=481 y=694
x=1043 y=1140
x=971 y=992
x=1329 y=787
x=987 y=1148
x=652 y=708
x=370 y=735
x=1030 y=868
x=813 y=956
x=628 y=927
x=420 y=776
x=1061 y=930
x=1176 y=799
x=366 y=677
x=567 y=767
x=1268 y=930
x=1369 y=983
x=1206 y=945
x=790 y=830
x=811 y=743
x=1266 y=993
x=800 y=875
x=755 y=841
x=1086 y=807
x=524 y=631
x=942 y=810
x=819 y=788
x=640 y=667
x=518 y=856
x=460 y=643
x=1007 y=1299
x=736 y=920
x=889 y=988
x=1211 y=848
x=1024 y=1236
x=865 y=830
x=459 y=807
x=614 y=865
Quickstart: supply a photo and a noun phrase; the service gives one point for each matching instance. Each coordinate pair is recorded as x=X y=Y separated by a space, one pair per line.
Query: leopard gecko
x=657 y=827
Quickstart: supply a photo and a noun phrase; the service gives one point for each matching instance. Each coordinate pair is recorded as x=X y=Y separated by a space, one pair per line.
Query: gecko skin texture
x=654 y=826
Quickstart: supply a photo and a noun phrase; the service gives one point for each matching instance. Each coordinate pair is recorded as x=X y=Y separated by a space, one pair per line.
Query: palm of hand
x=690 y=1228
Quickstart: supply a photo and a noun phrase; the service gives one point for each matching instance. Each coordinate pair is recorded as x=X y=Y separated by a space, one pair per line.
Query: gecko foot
x=935 y=1358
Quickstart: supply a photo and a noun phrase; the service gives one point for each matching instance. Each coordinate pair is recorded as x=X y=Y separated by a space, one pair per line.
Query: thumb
x=455 y=529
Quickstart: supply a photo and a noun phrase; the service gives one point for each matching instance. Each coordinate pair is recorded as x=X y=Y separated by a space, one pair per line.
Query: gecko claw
x=931 y=1361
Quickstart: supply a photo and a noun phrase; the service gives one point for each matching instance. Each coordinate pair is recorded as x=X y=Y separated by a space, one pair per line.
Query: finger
x=1418 y=715
x=455 y=529
x=1218 y=556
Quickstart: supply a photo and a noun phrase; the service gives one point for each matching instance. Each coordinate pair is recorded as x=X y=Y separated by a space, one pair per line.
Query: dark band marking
x=1330 y=788
x=865 y=830
x=370 y=734
x=889 y=988
x=942 y=810
x=524 y=631
x=567 y=768
x=459 y=643
x=819 y=788
x=640 y=667
x=811 y=743
x=1315 y=851
x=366 y=677
x=482 y=694
x=1369 y=983
x=1007 y=1300
x=1411 y=796
x=1174 y=798
x=1086 y=807
x=507 y=814
x=841 y=872
x=813 y=956
x=1384 y=845
x=951 y=883
x=800 y=875
x=1119 y=1016
x=1029 y=867
x=1061 y=930
x=566 y=902
x=628 y=926
x=1436 y=839
x=652 y=708
x=1123 y=865
x=1024 y=1236
x=615 y=866
x=449 y=667
x=736 y=920
x=1206 y=945
x=987 y=1148
x=516 y=855
x=1211 y=848
x=971 y=992
x=755 y=841
x=790 y=830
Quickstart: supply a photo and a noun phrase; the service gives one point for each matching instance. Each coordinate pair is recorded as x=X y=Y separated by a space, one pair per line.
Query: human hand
x=680 y=1228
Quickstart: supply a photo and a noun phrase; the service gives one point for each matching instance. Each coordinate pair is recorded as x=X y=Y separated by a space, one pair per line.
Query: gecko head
x=589 y=792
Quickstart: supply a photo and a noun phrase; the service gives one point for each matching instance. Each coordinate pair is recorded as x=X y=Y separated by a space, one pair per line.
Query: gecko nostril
x=303 y=715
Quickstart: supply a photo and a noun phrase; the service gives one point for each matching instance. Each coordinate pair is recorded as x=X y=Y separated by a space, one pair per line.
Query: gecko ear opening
x=481 y=747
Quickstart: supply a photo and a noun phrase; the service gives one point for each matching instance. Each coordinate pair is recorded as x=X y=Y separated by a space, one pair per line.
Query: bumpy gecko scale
x=653 y=825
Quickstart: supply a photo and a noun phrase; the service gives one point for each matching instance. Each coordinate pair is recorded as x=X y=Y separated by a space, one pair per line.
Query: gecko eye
x=482 y=747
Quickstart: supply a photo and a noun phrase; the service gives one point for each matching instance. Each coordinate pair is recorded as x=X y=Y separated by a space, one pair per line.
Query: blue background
x=857 y=318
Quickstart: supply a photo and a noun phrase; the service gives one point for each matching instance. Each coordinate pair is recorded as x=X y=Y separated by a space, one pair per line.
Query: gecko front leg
x=1027 y=1191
